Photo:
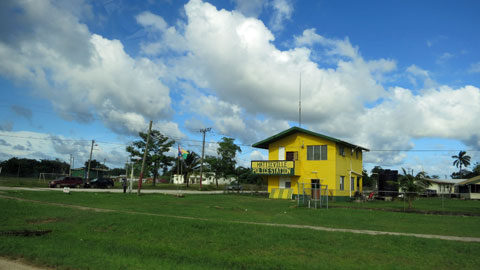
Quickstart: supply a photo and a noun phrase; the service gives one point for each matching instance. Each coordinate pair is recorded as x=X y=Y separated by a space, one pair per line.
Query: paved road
x=115 y=190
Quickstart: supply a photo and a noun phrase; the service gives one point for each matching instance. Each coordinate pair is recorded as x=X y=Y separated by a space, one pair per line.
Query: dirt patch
x=43 y=221
x=7 y=264
x=26 y=233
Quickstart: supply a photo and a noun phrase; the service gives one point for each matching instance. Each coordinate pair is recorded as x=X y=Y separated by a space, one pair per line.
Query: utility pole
x=205 y=130
x=89 y=161
x=70 y=168
x=144 y=158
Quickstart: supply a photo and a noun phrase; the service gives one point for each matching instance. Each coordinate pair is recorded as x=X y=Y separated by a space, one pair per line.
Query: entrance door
x=284 y=182
x=315 y=188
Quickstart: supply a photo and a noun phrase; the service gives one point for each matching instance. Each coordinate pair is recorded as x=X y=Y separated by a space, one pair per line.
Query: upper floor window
x=316 y=152
x=341 y=150
x=292 y=155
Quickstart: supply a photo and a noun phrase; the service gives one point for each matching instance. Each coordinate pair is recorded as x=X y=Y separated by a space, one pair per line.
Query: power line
x=177 y=139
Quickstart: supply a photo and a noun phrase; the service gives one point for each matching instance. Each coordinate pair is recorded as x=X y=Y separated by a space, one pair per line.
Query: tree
x=95 y=164
x=227 y=151
x=189 y=165
x=411 y=186
x=156 y=158
x=462 y=159
x=213 y=166
x=368 y=181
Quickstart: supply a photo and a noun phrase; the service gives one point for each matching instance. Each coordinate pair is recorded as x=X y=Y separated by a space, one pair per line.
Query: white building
x=443 y=186
x=207 y=179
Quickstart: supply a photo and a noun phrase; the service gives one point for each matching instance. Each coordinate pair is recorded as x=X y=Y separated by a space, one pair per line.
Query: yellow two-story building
x=298 y=158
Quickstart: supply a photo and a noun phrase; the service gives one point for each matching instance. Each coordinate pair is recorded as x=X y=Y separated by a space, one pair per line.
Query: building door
x=284 y=182
x=315 y=188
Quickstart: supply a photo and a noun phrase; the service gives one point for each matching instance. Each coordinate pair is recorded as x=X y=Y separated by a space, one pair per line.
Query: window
x=292 y=155
x=342 y=182
x=341 y=150
x=352 y=183
x=356 y=154
x=316 y=152
x=288 y=184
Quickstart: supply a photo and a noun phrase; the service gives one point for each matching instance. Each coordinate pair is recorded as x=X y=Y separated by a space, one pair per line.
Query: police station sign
x=273 y=167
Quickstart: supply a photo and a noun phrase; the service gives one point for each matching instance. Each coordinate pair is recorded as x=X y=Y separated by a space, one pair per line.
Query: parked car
x=102 y=183
x=234 y=186
x=67 y=181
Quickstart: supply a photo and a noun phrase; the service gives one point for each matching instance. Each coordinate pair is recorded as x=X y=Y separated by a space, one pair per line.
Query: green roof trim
x=264 y=143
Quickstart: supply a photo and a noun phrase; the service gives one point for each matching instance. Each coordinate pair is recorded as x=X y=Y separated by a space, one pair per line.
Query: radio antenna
x=300 y=102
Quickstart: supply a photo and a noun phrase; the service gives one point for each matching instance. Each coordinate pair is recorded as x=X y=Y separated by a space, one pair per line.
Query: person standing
x=124 y=184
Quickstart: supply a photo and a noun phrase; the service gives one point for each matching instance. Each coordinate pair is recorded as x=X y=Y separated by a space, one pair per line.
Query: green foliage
x=95 y=164
x=462 y=159
x=412 y=185
x=157 y=147
x=25 y=167
x=245 y=175
x=227 y=151
x=189 y=165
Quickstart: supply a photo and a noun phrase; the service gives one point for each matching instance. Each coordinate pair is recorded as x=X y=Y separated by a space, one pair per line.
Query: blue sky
x=387 y=75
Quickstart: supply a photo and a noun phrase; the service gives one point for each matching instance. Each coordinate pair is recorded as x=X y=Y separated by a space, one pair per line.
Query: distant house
x=442 y=186
x=207 y=179
x=469 y=189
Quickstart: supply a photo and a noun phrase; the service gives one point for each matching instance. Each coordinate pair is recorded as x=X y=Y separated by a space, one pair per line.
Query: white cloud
x=474 y=68
x=444 y=57
x=282 y=10
x=417 y=71
x=84 y=75
x=250 y=8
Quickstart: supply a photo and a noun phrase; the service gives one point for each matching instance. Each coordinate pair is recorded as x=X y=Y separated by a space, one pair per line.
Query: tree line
x=159 y=163
x=25 y=167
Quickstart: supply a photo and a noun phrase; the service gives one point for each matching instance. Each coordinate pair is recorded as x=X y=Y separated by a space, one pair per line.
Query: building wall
x=327 y=171
x=344 y=165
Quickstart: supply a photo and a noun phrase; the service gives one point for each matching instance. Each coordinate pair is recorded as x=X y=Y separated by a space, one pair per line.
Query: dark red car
x=67 y=181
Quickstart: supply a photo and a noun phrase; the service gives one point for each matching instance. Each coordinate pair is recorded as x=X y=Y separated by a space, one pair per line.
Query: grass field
x=82 y=239
x=438 y=204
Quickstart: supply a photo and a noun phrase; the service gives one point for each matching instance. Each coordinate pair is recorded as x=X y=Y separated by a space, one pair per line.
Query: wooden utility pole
x=205 y=130
x=144 y=158
x=89 y=161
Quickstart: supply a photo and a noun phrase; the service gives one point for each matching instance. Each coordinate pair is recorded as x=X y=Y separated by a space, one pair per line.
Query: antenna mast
x=300 y=102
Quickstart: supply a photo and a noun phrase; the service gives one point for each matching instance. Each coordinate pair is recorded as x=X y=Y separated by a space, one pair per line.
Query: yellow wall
x=328 y=171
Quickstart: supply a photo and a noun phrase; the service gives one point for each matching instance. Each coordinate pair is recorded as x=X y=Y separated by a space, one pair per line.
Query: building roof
x=443 y=181
x=264 y=143
x=471 y=181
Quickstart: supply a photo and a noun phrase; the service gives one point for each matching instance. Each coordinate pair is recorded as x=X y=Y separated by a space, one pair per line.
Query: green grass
x=94 y=240
x=438 y=204
x=22 y=182
x=254 y=209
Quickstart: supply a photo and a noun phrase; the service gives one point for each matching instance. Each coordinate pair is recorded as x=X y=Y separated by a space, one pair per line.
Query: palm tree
x=461 y=160
x=189 y=165
x=412 y=186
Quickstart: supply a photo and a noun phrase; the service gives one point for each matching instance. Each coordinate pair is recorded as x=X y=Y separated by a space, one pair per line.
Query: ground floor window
x=352 y=183
x=288 y=184
x=342 y=182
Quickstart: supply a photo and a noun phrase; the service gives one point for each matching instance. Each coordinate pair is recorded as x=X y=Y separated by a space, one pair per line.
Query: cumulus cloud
x=282 y=10
x=249 y=85
x=37 y=145
x=84 y=75
x=250 y=8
